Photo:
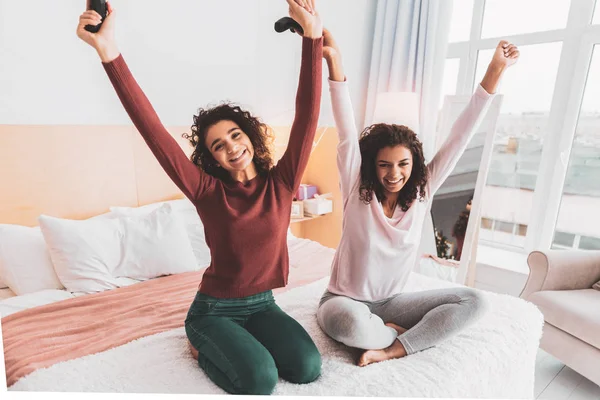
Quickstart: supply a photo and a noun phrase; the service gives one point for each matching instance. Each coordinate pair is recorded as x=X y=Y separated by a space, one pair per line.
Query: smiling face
x=230 y=147
x=393 y=167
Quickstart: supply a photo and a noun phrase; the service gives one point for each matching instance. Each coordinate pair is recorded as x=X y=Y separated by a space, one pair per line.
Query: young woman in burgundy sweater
x=244 y=341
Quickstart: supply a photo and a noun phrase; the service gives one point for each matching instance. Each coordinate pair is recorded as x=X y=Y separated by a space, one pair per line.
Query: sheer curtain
x=409 y=49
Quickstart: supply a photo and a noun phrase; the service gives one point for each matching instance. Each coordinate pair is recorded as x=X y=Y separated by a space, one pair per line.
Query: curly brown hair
x=375 y=138
x=259 y=133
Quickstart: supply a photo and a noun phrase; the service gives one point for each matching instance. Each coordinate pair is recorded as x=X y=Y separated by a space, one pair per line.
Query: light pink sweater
x=377 y=253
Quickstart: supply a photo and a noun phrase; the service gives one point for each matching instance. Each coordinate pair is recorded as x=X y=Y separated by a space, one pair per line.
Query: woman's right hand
x=333 y=56
x=103 y=40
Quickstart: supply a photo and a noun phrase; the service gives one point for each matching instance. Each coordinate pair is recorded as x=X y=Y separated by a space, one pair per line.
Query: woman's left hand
x=304 y=12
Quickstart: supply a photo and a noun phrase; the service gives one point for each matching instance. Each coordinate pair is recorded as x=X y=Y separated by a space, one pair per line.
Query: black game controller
x=100 y=7
x=285 y=23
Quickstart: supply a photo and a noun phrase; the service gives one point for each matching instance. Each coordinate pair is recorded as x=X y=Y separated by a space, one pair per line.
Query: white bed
x=494 y=358
x=304 y=254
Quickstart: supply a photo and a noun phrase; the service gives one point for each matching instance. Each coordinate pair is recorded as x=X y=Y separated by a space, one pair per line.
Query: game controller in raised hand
x=285 y=23
x=100 y=7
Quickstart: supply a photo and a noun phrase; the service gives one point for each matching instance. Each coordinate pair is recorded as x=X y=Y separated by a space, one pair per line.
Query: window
x=450 y=79
x=511 y=17
x=449 y=84
x=486 y=223
x=502 y=232
x=520 y=133
x=536 y=94
x=589 y=243
x=564 y=239
x=580 y=200
x=505 y=227
x=460 y=26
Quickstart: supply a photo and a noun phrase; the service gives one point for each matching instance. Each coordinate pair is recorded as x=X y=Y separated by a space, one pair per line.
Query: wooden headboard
x=80 y=171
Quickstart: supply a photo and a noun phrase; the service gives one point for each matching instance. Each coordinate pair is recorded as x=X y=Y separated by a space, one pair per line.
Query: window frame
x=578 y=40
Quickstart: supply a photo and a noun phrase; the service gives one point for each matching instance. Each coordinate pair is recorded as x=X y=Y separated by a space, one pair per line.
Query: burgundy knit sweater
x=245 y=223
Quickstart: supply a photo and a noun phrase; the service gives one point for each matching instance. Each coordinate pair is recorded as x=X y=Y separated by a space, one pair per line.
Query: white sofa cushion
x=576 y=312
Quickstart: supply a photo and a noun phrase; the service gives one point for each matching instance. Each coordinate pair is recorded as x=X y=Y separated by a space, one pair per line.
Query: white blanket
x=494 y=358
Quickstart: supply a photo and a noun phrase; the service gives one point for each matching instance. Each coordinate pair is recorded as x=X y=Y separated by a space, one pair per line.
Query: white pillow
x=25 y=264
x=188 y=214
x=176 y=205
x=92 y=255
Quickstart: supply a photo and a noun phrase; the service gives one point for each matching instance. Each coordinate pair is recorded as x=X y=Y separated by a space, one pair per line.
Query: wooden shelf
x=293 y=220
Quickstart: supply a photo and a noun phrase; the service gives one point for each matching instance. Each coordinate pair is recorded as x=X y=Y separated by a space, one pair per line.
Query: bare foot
x=396 y=350
x=193 y=351
x=398 y=328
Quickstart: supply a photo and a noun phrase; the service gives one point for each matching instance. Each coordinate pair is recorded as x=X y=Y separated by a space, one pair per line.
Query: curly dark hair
x=375 y=138
x=259 y=133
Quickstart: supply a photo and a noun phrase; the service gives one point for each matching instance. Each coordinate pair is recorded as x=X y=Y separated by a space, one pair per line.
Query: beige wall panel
x=153 y=183
x=64 y=171
x=322 y=172
x=80 y=171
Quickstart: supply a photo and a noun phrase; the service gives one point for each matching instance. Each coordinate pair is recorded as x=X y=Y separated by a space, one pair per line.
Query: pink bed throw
x=42 y=336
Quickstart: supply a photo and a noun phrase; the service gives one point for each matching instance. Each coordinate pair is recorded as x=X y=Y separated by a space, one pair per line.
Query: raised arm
x=184 y=173
x=348 y=151
x=468 y=122
x=293 y=163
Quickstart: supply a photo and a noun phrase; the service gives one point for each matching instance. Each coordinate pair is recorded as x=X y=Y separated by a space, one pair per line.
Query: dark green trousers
x=244 y=344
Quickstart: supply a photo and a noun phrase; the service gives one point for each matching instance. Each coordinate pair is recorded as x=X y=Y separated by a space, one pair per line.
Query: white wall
x=185 y=54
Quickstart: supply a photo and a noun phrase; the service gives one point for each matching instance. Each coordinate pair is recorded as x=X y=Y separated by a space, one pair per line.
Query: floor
x=554 y=380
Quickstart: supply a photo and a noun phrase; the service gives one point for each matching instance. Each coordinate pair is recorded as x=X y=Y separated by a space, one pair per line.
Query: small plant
x=441 y=244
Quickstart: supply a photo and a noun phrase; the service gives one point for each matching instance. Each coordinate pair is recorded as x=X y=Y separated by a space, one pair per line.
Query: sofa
x=560 y=285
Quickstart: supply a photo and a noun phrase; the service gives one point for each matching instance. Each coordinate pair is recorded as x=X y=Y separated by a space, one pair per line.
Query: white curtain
x=409 y=49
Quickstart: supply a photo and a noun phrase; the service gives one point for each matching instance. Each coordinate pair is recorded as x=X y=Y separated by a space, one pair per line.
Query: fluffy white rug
x=494 y=358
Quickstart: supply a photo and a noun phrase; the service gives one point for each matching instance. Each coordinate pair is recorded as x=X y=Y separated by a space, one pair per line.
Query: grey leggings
x=430 y=316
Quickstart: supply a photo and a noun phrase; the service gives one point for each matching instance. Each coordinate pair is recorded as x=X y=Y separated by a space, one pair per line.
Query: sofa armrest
x=561 y=270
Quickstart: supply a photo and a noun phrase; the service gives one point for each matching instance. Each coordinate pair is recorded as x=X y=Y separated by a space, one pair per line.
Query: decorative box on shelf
x=297 y=210
x=306 y=191
x=319 y=205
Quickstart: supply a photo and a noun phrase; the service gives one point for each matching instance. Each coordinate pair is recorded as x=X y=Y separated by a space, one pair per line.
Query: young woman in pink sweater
x=386 y=189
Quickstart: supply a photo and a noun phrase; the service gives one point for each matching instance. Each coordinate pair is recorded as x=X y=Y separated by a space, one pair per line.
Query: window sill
x=503 y=259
